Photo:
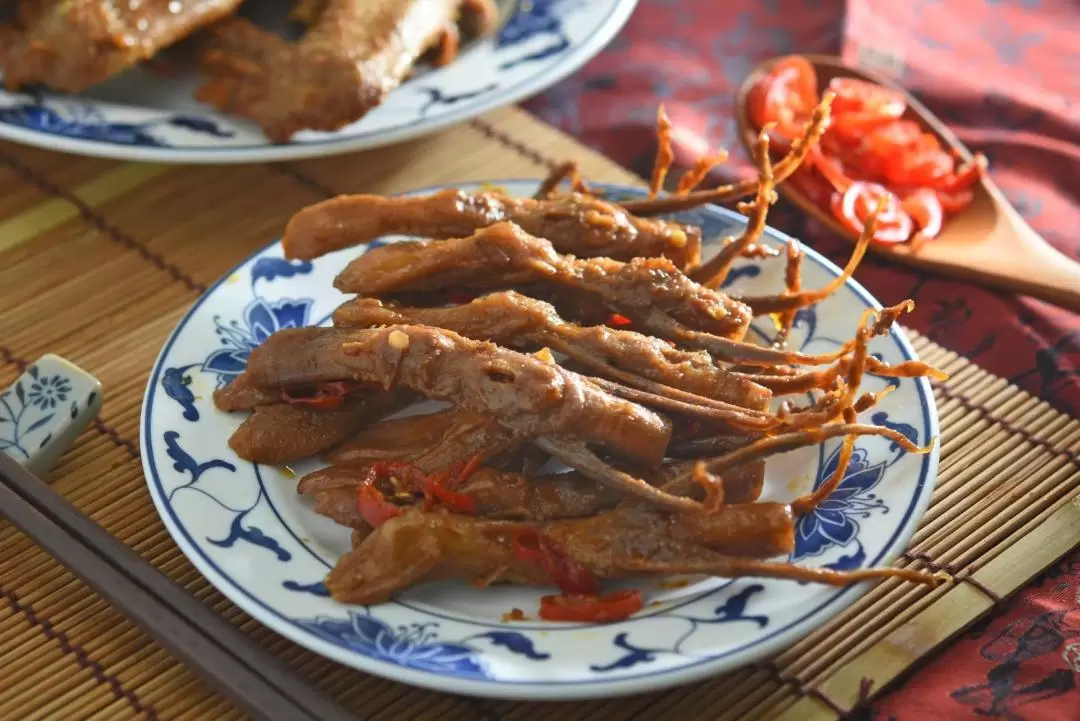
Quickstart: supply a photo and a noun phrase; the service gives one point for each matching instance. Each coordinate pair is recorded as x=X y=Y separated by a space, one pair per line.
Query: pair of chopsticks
x=240 y=669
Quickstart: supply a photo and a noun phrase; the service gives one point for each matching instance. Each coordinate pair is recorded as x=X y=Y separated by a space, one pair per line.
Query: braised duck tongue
x=284 y=433
x=520 y=392
x=503 y=255
x=355 y=53
x=577 y=224
x=424 y=546
x=512 y=319
x=498 y=494
x=430 y=442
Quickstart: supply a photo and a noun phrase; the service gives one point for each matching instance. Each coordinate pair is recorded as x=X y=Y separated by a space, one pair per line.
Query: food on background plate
x=70 y=46
x=870 y=153
x=353 y=53
x=633 y=373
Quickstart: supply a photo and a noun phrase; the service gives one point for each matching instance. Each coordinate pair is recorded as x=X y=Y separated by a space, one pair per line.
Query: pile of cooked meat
x=559 y=332
x=352 y=54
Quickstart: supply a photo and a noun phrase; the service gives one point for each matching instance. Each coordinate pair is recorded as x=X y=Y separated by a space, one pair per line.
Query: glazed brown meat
x=512 y=319
x=576 y=224
x=430 y=442
x=356 y=52
x=241 y=395
x=503 y=255
x=520 y=392
x=73 y=44
x=461 y=493
x=422 y=546
x=498 y=494
x=295 y=357
x=284 y=433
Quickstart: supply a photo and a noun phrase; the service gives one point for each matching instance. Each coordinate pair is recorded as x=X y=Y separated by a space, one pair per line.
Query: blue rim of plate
x=572 y=58
x=696 y=670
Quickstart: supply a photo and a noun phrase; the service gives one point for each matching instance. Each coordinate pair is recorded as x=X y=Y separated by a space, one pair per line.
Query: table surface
x=1006 y=75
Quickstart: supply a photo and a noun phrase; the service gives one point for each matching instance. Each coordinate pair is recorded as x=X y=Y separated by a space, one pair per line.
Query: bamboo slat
x=99 y=259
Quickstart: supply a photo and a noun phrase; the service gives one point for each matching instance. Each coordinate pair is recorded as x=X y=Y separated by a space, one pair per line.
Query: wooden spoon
x=987 y=243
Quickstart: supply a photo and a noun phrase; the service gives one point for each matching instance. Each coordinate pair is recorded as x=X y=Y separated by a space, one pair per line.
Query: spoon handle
x=1042 y=271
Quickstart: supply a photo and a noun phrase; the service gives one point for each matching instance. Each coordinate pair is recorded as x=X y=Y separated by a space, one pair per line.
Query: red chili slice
x=616 y=320
x=858 y=96
x=326 y=396
x=439 y=487
x=786 y=97
x=831 y=169
x=853 y=207
x=374 y=506
x=926 y=167
x=894 y=138
x=964 y=177
x=925 y=210
x=609 y=608
x=533 y=546
x=955 y=202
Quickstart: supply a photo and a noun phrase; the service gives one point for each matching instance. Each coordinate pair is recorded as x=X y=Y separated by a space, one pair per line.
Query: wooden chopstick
x=259 y=684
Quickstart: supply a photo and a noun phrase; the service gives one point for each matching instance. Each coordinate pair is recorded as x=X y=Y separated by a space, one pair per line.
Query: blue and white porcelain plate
x=142 y=115
x=245 y=529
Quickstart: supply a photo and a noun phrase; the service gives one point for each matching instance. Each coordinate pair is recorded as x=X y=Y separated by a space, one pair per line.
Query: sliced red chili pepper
x=853 y=207
x=786 y=97
x=437 y=487
x=925 y=210
x=326 y=396
x=855 y=126
x=893 y=138
x=964 y=177
x=609 y=608
x=831 y=169
x=955 y=202
x=533 y=546
x=413 y=478
x=615 y=320
x=858 y=96
x=374 y=507
x=919 y=167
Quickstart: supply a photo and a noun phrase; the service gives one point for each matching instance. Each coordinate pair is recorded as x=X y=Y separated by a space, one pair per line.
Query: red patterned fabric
x=1006 y=75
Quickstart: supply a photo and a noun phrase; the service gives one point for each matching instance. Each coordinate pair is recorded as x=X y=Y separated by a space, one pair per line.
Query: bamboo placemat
x=98 y=261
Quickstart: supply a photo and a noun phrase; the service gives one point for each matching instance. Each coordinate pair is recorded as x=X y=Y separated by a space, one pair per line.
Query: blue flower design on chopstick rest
x=85 y=121
x=45 y=410
x=415 y=646
x=28 y=408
